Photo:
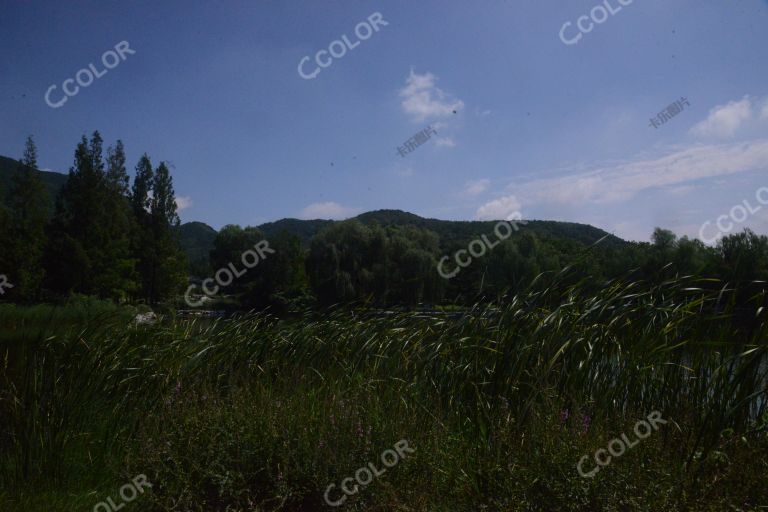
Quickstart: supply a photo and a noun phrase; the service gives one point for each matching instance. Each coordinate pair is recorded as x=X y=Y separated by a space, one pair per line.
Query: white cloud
x=329 y=210
x=622 y=182
x=475 y=188
x=422 y=99
x=183 y=202
x=764 y=113
x=498 y=209
x=446 y=142
x=681 y=190
x=724 y=120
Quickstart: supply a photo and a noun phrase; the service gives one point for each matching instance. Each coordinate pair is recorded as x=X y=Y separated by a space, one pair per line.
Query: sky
x=522 y=105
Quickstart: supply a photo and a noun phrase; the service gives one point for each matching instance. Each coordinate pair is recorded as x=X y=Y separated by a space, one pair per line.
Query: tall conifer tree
x=87 y=253
x=29 y=202
x=168 y=267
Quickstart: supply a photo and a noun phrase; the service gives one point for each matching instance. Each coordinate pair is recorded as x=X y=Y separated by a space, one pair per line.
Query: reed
x=259 y=413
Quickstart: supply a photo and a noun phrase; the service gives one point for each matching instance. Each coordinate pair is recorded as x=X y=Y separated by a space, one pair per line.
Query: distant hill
x=457 y=231
x=197 y=237
x=304 y=229
x=197 y=240
x=450 y=231
x=53 y=181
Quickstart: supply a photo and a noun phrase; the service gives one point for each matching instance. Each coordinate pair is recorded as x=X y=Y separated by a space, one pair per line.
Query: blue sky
x=556 y=131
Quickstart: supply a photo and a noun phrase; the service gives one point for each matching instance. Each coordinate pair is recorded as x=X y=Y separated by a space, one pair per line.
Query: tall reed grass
x=241 y=413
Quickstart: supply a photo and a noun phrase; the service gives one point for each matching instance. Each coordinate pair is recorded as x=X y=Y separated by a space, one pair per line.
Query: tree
x=350 y=261
x=141 y=232
x=742 y=257
x=5 y=237
x=86 y=252
x=25 y=240
x=340 y=262
x=119 y=279
x=73 y=229
x=410 y=269
x=663 y=239
x=117 y=177
x=167 y=263
x=276 y=271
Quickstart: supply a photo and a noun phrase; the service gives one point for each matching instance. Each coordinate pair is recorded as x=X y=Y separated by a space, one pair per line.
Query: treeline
x=107 y=237
x=397 y=265
x=116 y=239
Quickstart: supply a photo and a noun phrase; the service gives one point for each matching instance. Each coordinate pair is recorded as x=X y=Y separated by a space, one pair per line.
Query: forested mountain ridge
x=197 y=237
x=125 y=241
x=449 y=231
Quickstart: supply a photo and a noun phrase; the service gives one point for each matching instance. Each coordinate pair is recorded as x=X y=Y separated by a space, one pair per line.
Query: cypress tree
x=117 y=177
x=68 y=266
x=141 y=236
x=87 y=253
x=118 y=279
x=168 y=269
x=25 y=241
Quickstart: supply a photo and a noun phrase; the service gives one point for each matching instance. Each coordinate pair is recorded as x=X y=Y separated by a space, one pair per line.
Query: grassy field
x=259 y=414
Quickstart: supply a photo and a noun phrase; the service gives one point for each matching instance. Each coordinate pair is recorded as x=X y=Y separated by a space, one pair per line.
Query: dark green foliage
x=88 y=250
x=119 y=278
x=141 y=235
x=167 y=263
x=4 y=237
x=154 y=243
x=117 y=177
x=112 y=242
x=25 y=238
x=107 y=241
x=196 y=239
x=353 y=262
x=278 y=277
x=304 y=229
x=53 y=181
x=227 y=414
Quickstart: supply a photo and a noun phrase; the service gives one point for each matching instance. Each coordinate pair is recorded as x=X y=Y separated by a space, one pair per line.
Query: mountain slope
x=196 y=239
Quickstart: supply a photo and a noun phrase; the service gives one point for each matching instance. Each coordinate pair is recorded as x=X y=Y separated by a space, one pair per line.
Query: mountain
x=450 y=231
x=197 y=240
x=462 y=232
x=304 y=229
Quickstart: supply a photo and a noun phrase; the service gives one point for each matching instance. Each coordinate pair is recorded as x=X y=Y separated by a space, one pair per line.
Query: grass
x=263 y=414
